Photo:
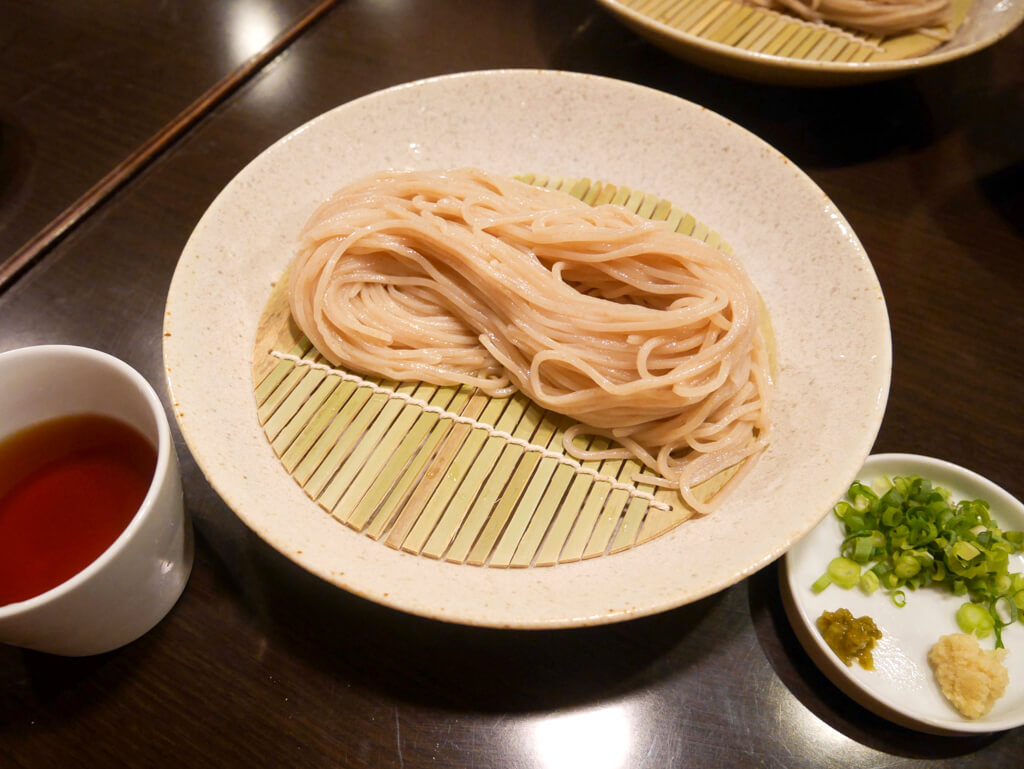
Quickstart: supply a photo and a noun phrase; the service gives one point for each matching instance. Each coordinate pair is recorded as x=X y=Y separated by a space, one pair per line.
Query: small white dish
x=902 y=687
x=136 y=581
x=827 y=309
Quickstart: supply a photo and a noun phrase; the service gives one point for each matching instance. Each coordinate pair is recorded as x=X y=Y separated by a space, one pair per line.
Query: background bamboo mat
x=423 y=481
x=759 y=30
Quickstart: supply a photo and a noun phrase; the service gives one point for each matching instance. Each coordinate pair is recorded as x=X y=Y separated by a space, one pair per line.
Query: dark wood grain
x=90 y=93
x=261 y=664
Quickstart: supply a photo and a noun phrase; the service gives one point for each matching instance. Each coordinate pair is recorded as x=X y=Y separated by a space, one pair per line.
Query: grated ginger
x=970 y=677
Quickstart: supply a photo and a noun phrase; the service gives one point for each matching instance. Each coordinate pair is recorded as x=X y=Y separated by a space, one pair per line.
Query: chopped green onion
x=906 y=567
x=864 y=548
x=844 y=572
x=907 y=534
x=869 y=582
x=1005 y=610
x=973 y=618
x=965 y=551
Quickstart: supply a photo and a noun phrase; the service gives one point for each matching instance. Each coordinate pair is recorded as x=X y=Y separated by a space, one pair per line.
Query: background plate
x=987 y=22
x=902 y=687
x=827 y=310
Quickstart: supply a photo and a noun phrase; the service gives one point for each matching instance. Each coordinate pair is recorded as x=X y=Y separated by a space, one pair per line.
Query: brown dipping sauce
x=851 y=639
x=68 y=488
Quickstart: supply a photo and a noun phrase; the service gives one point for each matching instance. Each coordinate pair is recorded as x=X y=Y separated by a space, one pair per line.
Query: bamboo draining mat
x=759 y=30
x=436 y=481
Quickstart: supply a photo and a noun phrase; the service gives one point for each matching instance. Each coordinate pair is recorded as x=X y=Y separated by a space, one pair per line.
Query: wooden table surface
x=261 y=664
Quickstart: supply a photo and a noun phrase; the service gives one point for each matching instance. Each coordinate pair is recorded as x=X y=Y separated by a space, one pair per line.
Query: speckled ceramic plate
x=902 y=687
x=725 y=36
x=826 y=306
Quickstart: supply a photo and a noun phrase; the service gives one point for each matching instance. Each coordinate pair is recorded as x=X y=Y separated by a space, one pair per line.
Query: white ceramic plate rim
x=916 y=701
x=1011 y=15
x=835 y=356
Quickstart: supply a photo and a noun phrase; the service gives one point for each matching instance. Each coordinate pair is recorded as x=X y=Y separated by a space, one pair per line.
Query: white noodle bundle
x=646 y=336
x=877 y=17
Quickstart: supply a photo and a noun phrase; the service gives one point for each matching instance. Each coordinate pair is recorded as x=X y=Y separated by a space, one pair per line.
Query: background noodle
x=877 y=17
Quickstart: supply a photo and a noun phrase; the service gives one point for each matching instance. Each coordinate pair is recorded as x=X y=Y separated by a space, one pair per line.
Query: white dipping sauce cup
x=132 y=585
